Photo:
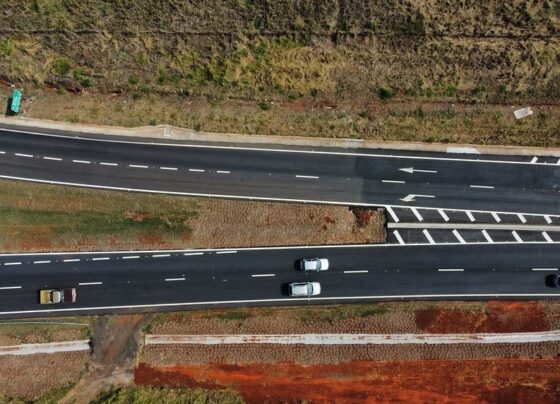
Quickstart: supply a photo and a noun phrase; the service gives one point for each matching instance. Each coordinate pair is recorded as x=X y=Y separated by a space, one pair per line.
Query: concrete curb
x=51 y=347
x=182 y=134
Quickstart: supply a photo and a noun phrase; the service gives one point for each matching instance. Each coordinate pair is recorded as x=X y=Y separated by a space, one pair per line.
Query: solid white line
x=398 y=236
x=72 y=260
x=558 y=162
x=393 y=182
x=161 y=255
x=417 y=214
x=2 y=152
x=522 y=218
x=137 y=166
x=365 y=271
x=108 y=164
x=168 y=168
x=81 y=161
x=223 y=172
x=101 y=259
x=428 y=236
x=496 y=217
x=12 y=263
x=262 y=275
x=309 y=177
x=470 y=216
x=393 y=214
x=24 y=155
x=226 y=252
x=451 y=270
x=547 y=237
x=547 y=218
x=130 y=257
x=196 y=170
x=534 y=160
x=197 y=253
x=482 y=186
x=41 y=262
x=89 y=283
x=443 y=215
x=458 y=237
x=174 y=279
x=545 y=269
x=9 y=287
x=517 y=238
x=52 y=158
x=487 y=236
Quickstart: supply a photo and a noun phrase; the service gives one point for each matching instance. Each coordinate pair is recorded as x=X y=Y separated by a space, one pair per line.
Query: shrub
x=61 y=66
x=385 y=93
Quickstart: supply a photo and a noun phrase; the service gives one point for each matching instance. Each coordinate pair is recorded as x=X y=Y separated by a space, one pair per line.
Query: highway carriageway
x=177 y=280
x=501 y=184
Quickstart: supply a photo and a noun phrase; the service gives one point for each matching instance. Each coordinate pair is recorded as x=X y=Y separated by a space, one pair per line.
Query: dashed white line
x=169 y=168
x=161 y=255
x=42 y=262
x=428 y=236
x=196 y=253
x=393 y=182
x=470 y=216
x=101 y=259
x=108 y=164
x=81 y=161
x=496 y=217
x=417 y=214
x=24 y=155
x=547 y=237
x=262 y=275
x=534 y=160
x=223 y=172
x=174 y=279
x=52 y=158
x=393 y=214
x=398 y=236
x=2 y=152
x=309 y=177
x=130 y=257
x=487 y=236
x=443 y=215
x=545 y=269
x=364 y=271
x=459 y=237
x=547 y=219
x=227 y=252
x=89 y=283
x=12 y=263
x=517 y=238
x=137 y=166
x=451 y=270
x=9 y=287
x=558 y=162
x=482 y=186
x=196 y=170
x=522 y=218
x=72 y=260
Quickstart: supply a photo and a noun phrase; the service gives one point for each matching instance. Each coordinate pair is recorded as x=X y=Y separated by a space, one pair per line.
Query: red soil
x=498 y=317
x=474 y=381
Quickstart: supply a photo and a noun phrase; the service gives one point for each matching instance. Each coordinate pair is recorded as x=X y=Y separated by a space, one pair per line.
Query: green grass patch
x=150 y=395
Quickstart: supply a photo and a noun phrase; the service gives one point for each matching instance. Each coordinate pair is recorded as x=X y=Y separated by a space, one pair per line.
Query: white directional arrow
x=410 y=197
x=411 y=170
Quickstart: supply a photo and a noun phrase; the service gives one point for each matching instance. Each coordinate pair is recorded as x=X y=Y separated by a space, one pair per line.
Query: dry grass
x=43 y=331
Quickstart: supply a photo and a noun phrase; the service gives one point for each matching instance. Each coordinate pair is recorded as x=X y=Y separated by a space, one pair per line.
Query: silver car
x=313 y=264
x=304 y=289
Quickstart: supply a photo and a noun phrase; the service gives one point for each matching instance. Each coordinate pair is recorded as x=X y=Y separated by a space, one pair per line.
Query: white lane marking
x=243 y=197
x=309 y=177
x=487 y=236
x=130 y=257
x=451 y=270
x=443 y=215
x=393 y=214
x=470 y=216
x=108 y=164
x=496 y=217
x=459 y=237
x=81 y=161
x=42 y=262
x=72 y=260
x=544 y=269
x=9 y=287
x=196 y=170
x=558 y=162
x=89 y=283
x=411 y=197
x=534 y=160
x=428 y=236
x=364 y=271
x=417 y=214
x=137 y=166
x=101 y=259
x=223 y=172
x=52 y=158
x=24 y=155
x=517 y=238
x=161 y=255
x=393 y=182
x=196 y=253
x=482 y=186
x=547 y=218
x=174 y=279
x=262 y=275
x=522 y=218
x=2 y=152
x=547 y=237
x=168 y=168
x=398 y=236
x=226 y=252
x=12 y=263
x=412 y=170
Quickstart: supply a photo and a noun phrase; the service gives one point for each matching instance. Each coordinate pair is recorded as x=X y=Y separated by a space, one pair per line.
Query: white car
x=313 y=264
x=304 y=289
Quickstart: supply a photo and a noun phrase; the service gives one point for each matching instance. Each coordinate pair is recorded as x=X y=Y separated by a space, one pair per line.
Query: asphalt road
x=156 y=281
x=452 y=181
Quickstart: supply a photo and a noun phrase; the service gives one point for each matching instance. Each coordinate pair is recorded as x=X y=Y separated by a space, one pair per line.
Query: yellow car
x=55 y=296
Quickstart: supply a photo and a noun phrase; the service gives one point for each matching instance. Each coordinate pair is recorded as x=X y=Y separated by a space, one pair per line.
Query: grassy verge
x=44 y=330
x=167 y=395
